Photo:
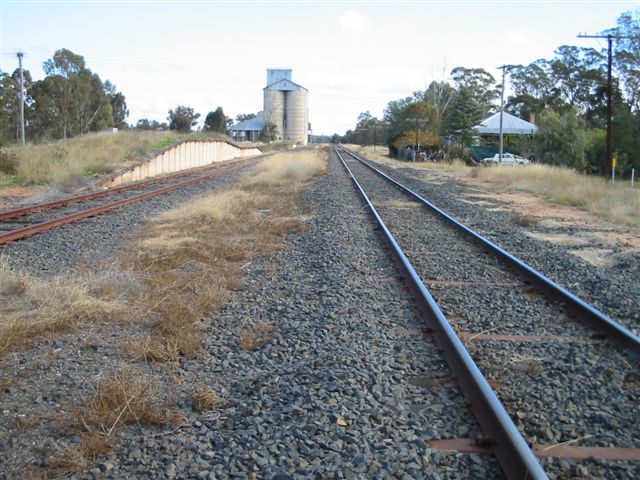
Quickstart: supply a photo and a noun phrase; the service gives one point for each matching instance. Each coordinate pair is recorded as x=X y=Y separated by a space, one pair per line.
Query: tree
x=533 y=88
x=182 y=119
x=561 y=139
x=62 y=71
x=440 y=96
x=245 y=116
x=479 y=84
x=464 y=114
x=216 y=121
x=146 y=124
x=269 y=132
x=71 y=99
x=118 y=105
x=10 y=105
x=576 y=73
x=627 y=56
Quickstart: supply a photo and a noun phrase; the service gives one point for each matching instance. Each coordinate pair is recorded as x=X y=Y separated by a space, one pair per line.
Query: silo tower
x=286 y=105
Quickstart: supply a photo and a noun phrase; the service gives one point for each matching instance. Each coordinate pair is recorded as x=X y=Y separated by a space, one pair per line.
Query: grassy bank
x=93 y=154
x=618 y=203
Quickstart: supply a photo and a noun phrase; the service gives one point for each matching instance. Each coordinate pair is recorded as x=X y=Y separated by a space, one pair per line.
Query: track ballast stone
x=102 y=237
x=335 y=394
x=614 y=290
x=330 y=396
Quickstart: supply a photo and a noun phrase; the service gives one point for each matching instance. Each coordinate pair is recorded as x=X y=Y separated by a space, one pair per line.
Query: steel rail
x=514 y=455
x=586 y=312
x=20 y=212
x=92 y=212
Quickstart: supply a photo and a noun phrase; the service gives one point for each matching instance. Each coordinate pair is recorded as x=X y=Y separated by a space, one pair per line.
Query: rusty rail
x=92 y=212
x=40 y=207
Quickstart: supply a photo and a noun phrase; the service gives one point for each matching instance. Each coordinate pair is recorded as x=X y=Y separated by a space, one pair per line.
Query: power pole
x=503 y=67
x=20 y=55
x=609 y=37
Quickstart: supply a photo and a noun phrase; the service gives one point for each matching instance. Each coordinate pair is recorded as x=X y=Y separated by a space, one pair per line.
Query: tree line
x=72 y=100
x=564 y=95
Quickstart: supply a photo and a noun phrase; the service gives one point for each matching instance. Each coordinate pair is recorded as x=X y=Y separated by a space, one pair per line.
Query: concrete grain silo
x=286 y=104
x=296 y=115
x=274 y=109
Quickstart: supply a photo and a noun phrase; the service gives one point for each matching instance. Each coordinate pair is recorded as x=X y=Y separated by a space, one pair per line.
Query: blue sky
x=352 y=56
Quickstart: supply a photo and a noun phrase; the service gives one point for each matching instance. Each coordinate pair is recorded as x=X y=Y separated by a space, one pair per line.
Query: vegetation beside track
x=183 y=266
x=91 y=155
x=617 y=203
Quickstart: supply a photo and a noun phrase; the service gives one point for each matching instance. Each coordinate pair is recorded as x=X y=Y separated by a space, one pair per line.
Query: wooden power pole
x=20 y=55
x=609 y=37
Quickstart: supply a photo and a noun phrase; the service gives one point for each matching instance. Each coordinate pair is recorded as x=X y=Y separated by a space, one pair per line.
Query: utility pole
x=503 y=67
x=20 y=55
x=609 y=37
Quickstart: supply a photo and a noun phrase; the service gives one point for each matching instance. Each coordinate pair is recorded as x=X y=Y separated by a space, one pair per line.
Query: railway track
x=550 y=379
x=24 y=222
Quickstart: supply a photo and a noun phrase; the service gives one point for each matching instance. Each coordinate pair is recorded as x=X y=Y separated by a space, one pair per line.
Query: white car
x=507 y=159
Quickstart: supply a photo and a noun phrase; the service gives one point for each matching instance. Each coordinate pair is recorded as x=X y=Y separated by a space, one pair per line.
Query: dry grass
x=254 y=337
x=190 y=259
x=30 y=307
x=617 y=203
x=524 y=220
x=128 y=397
x=64 y=161
x=205 y=398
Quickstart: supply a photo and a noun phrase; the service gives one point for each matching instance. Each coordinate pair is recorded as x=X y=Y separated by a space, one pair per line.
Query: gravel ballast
x=337 y=393
x=56 y=252
x=350 y=385
x=545 y=382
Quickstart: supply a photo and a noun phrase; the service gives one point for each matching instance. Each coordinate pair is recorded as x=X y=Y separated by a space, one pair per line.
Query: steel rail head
x=514 y=455
x=588 y=312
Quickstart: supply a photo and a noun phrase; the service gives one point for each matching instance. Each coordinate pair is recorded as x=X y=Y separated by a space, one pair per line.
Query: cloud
x=352 y=21
x=517 y=37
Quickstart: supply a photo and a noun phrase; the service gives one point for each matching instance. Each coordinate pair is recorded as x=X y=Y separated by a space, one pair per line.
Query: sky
x=351 y=56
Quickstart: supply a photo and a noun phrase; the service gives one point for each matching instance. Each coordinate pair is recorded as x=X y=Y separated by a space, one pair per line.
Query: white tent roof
x=511 y=125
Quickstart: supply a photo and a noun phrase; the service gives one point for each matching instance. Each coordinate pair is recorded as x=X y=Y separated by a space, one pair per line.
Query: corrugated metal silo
x=297 y=107
x=274 y=109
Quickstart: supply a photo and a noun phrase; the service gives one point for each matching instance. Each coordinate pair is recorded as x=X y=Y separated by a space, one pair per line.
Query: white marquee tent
x=511 y=125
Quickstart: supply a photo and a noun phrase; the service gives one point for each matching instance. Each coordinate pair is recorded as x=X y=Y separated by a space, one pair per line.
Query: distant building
x=286 y=105
x=248 y=130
